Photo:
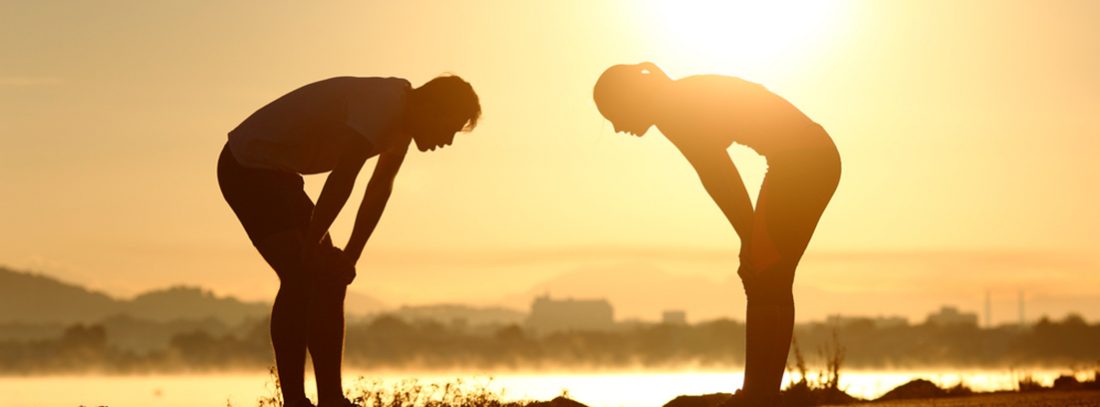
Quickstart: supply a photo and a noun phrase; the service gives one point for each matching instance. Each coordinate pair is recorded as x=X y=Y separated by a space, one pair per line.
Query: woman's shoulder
x=719 y=83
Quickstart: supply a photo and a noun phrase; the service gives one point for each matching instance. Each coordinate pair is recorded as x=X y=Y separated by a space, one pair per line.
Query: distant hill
x=361 y=304
x=192 y=303
x=36 y=298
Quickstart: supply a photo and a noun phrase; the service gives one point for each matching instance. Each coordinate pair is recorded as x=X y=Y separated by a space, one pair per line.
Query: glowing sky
x=968 y=132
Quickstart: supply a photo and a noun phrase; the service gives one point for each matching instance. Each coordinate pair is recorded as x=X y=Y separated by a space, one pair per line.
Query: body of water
x=604 y=389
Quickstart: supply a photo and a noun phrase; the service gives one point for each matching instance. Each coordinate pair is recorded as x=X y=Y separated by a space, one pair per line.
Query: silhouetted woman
x=702 y=116
x=333 y=126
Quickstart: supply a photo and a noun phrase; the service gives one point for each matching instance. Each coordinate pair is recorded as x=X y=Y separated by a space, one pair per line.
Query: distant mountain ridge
x=36 y=298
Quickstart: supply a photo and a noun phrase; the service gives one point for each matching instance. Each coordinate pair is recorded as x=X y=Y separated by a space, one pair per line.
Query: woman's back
x=725 y=109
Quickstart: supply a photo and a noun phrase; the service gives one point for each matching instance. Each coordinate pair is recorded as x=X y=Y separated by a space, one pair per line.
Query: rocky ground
x=1033 y=399
x=1053 y=398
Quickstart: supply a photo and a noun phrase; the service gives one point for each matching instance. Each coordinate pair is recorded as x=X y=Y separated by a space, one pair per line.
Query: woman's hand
x=762 y=254
x=758 y=255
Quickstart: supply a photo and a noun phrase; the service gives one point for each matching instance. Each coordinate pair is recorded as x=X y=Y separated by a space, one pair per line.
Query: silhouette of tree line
x=1070 y=341
x=391 y=342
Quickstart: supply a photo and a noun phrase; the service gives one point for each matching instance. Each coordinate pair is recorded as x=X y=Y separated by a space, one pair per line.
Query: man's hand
x=329 y=263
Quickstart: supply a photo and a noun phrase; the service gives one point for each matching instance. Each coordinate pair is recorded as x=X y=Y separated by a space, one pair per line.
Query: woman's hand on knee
x=761 y=254
x=755 y=260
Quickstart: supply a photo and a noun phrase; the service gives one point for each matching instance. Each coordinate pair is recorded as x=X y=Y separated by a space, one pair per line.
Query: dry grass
x=409 y=393
x=825 y=387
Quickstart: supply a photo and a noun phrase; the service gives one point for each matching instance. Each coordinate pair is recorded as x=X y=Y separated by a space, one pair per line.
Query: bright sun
x=751 y=34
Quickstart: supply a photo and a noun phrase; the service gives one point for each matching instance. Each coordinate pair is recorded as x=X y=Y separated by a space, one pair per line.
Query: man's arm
x=337 y=188
x=375 y=199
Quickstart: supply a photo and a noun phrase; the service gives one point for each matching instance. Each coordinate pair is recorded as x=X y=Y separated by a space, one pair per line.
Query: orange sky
x=967 y=132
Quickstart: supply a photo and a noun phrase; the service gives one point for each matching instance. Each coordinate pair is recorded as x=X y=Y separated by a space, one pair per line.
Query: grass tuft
x=409 y=393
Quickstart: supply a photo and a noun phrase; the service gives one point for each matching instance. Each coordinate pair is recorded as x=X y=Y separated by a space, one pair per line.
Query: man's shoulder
x=378 y=89
x=359 y=82
x=374 y=81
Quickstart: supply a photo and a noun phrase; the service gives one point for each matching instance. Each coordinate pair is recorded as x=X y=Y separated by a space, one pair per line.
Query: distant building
x=674 y=317
x=949 y=315
x=878 y=322
x=989 y=309
x=459 y=316
x=550 y=315
x=1023 y=317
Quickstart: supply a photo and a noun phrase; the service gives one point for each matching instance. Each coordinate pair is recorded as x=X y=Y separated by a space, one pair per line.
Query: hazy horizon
x=898 y=280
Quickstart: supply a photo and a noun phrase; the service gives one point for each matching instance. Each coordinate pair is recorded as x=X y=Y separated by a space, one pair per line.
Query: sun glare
x=749 y=34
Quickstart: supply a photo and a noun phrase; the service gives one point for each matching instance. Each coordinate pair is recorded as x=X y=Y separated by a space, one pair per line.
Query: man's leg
x=289 y=318
x=326 y=334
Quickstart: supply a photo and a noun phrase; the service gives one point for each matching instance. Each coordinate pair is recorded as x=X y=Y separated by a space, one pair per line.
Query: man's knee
x=294 y=289
x=327 y=290
x=283 y=252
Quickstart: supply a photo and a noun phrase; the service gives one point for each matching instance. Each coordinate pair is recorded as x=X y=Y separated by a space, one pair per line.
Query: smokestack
x=988 y=310
x=1023 y=320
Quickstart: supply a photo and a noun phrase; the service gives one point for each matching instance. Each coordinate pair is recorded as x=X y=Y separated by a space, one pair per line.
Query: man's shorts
x=267 y=202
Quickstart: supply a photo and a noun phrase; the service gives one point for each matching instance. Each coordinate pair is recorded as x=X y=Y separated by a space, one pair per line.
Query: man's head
x=439 y=109
x=625 y=95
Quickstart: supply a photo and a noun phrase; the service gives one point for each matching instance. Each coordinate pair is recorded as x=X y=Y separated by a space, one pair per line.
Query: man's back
x=301 y=131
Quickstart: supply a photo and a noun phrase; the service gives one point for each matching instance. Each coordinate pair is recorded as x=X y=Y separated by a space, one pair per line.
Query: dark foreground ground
x=1053 y=398
x=1036 y=399
x=1033 y=399
x=1066 y=391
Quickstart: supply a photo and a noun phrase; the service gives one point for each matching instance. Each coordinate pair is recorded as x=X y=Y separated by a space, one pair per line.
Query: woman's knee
x=769 y=287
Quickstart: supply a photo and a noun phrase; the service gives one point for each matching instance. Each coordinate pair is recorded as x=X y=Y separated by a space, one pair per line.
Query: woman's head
x=625 y=95
x=440 y=108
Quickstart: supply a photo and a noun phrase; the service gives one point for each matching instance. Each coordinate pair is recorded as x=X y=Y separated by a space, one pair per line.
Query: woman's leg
x=769 y=325
x=786 y=215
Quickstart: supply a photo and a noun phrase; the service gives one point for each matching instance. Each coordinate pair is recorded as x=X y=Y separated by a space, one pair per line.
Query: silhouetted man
x=334 y=126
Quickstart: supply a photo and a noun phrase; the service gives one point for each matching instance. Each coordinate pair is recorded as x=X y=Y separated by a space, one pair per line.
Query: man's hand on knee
x=329 y=263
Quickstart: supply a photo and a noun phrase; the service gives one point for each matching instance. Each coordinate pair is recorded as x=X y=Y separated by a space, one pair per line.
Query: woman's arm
x=375 y=199
x=724 y=185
